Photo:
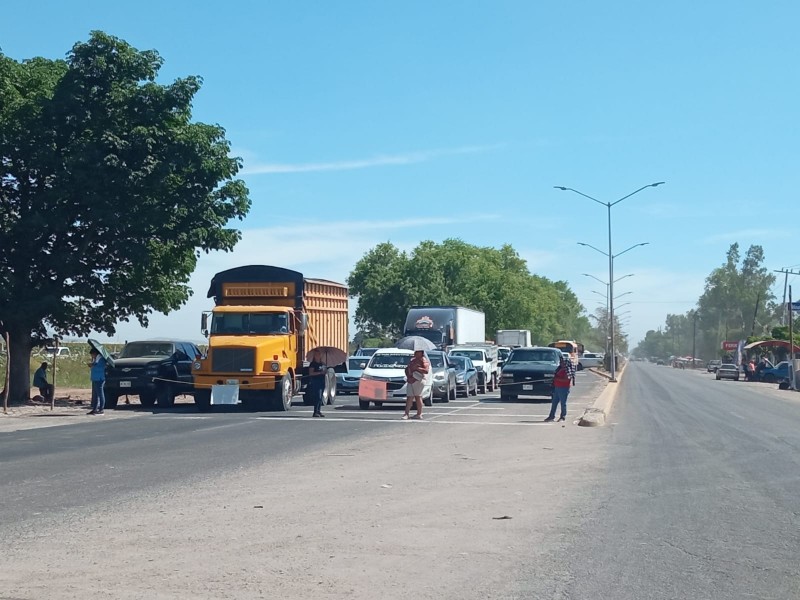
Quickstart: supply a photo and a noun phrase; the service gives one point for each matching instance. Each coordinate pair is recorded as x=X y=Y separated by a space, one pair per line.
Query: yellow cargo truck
x=264 y=322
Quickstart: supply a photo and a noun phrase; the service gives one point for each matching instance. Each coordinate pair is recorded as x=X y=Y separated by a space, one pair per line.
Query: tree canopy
x=387 y=282
x=108 y=192
x=736 y=304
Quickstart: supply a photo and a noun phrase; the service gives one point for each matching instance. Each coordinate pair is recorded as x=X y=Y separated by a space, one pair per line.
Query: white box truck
x=513 y=338
x=446 y=325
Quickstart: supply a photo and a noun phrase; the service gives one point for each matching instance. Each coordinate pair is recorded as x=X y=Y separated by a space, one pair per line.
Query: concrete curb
x=596 y=414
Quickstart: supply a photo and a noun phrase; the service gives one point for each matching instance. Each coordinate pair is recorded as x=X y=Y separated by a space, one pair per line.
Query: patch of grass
x=71 y=371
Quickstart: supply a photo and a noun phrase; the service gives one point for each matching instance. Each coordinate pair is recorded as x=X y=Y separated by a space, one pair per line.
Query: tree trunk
x=21 y=343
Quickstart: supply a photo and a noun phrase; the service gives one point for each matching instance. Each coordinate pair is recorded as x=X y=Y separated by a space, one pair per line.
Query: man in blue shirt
x=40 y=381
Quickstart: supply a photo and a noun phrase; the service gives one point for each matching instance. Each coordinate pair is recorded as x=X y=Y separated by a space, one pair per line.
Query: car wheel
x=165 y=397
x=769 y=378
x=282 y=396
x=148 y=400
x=111 y=400
x=446 y=397
x=429 y=400
x=202 y=400
x=363 y=404
x=717 y=377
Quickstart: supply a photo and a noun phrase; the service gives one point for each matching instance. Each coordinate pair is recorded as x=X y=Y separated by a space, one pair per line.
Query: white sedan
x=384 y=379
x=590 y=359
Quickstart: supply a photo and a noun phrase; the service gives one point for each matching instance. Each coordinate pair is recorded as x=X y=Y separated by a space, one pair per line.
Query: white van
x=388 y=366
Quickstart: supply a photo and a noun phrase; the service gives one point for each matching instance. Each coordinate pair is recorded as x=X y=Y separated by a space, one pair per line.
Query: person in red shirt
x=563 y=379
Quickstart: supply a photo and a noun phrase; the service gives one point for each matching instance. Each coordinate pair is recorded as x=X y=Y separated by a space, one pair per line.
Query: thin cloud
x=364 y=163
x=733 y=236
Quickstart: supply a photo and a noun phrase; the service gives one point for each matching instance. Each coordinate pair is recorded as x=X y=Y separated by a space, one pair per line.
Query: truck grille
x=233 y=360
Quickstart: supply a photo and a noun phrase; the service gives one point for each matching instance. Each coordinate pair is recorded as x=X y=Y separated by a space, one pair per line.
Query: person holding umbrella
x=316 y=382
x=417 y=370
x=97 y=373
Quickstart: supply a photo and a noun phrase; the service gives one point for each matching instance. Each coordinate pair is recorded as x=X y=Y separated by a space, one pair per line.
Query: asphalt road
x=700 y=493
x=690 y=491
x=55 y=470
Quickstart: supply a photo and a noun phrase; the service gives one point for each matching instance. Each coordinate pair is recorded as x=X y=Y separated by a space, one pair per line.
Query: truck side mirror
x=204 y=323
x=303 y=322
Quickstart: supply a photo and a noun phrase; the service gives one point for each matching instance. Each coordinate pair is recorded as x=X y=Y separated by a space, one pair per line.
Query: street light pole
x=608 y=205
x=608 y=288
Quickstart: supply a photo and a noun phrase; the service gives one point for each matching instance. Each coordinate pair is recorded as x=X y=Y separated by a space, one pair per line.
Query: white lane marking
x=400 y=421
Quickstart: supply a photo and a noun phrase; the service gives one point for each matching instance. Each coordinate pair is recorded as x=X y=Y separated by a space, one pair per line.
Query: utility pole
x=791 y=341
x=786 y=273
x=694 y=337
x=755 y=313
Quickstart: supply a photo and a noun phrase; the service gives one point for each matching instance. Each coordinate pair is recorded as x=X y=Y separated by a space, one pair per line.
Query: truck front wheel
x=283 y=393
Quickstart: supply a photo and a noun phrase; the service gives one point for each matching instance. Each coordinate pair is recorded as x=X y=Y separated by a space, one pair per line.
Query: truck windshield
x=429 y=334
x=471 y=354
x=146 y=349
x=247 y=323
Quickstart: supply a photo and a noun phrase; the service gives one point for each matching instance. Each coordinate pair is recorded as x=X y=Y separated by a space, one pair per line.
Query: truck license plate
x=232 y=381
x=124 y=384
x=527 y=387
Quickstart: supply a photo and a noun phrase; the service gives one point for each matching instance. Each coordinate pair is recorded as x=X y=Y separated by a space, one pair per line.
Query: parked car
x=590 y=359
x=444 y=376
x=713 y=365
x=387 y=366
x=154 y=370
x=366 y=352
x=775 y=374
x=466 y=376
x=529 y=372
x=728 y=371
x=60 y=352
x=347 y=383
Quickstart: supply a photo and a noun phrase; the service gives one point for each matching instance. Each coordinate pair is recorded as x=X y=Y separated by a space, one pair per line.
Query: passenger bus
x=574 y=349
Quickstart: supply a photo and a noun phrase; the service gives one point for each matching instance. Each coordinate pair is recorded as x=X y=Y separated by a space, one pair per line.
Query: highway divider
x=596 y=414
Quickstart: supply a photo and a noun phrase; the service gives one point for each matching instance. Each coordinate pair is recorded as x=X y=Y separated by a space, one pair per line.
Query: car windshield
x=539 y=356
x=728 y=366
x=146 y=349
x=459 y=362
x=389 y=361
x=357 y=364
x=367 y=351
x=471 y=354
x=437 y=360
x=248 y=323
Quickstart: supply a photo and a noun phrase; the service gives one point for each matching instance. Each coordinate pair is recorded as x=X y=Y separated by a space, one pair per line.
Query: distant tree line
x=388 y=281
x=736 y=304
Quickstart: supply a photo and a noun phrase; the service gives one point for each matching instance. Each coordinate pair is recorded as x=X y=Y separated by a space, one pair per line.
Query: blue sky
x=361 y=122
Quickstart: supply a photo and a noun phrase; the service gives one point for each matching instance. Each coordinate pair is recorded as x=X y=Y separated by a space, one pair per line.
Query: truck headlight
x=151 y=371
x=507 y=377
x=460 y=378
x=196 y=365
x=275 y=367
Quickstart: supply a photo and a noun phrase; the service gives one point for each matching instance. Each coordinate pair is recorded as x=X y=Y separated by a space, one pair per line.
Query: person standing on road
x=563 y=379
x=40 y=381
x=316 y=381
x=97 y=373
x=416 y=371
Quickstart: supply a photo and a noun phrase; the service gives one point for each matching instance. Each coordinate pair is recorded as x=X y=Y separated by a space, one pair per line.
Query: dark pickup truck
x=154 y=370
x=529 y=372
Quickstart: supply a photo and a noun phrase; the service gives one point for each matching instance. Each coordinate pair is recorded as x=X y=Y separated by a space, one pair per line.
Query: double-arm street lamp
x=610 y=255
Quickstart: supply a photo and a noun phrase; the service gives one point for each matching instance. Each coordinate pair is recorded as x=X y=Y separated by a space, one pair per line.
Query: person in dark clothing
x=563 y=379
x=40 y=381
x=316 y=382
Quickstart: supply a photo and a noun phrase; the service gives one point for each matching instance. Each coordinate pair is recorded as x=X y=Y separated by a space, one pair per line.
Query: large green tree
x=496 y=281
x=108 y=193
